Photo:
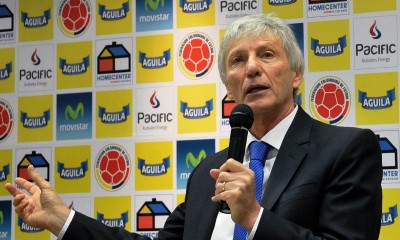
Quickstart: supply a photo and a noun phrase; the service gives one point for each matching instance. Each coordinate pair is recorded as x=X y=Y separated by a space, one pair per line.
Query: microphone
x=241 y=120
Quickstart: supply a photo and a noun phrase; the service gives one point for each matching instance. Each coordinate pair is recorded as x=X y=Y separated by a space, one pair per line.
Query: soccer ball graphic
x=6 y=123
x=74 y=16
x=113 y=168
x=196 y=55
x=330 y=101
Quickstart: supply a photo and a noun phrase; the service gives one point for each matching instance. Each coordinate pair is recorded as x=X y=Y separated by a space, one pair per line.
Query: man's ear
x=297 y=79
x=229 y=93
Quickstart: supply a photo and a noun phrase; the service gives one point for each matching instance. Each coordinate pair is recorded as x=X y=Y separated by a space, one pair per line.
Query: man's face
x=259 y=75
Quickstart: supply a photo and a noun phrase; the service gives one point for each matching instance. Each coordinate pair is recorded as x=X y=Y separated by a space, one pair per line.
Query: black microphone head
x=241 y=116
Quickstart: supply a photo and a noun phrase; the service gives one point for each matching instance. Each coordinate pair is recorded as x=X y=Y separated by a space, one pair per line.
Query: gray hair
x=256 y=26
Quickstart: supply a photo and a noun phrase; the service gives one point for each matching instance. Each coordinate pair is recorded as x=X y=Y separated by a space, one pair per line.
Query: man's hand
x=235 y=185
x=43 y=208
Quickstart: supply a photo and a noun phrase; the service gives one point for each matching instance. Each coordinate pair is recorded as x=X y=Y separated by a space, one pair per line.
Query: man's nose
x=253 y=67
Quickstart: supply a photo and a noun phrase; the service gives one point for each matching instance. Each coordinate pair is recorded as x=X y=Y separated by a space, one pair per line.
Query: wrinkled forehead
x=241 y=37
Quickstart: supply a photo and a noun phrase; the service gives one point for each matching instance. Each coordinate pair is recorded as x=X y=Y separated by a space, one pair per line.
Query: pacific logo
x=36 y=73
x=112 y=167
x=196 y=55
x=155 y=103
x=74 y=17
x=330 y=100
x=374 y=50
x=6 y=120
x=374 y=31
x=35 y=58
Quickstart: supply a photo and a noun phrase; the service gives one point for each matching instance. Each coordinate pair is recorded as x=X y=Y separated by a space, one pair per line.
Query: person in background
x=319 y=181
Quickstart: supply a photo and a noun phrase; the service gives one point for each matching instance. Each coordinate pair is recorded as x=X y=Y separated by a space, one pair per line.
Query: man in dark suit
x=325 y=181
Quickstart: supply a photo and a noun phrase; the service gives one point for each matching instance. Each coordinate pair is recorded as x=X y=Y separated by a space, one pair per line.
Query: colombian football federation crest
x=330 y=100
x=196 y=55
x=6 y=120
x=74 y=17
x=112 y=167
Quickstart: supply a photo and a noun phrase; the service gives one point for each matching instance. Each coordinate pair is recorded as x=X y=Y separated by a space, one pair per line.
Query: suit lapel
x=290 y=155
x=200 y=225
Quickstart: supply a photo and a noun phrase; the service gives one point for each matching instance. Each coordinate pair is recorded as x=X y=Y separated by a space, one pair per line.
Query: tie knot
x=258 y=151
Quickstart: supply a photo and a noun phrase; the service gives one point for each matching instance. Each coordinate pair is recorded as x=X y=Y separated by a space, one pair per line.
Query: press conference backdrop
x=115 y=102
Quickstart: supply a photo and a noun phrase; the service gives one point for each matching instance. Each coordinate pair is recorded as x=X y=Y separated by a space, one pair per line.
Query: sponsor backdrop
x=115 y=102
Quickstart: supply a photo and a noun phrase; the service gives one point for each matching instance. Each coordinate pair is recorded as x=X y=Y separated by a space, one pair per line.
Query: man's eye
x=237 y=60
x=266 y=55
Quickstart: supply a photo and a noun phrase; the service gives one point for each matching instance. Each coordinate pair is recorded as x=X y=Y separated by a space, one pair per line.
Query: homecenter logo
x=318 y=8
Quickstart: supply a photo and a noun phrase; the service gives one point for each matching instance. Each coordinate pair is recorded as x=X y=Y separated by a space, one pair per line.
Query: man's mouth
x=256 y=89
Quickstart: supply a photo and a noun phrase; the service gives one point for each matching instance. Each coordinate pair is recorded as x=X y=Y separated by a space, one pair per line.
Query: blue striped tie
x=258 y=153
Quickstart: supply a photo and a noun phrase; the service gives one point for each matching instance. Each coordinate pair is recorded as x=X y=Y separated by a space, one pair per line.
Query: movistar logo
x=190 y=158
x=153 y=4
x=72 y=114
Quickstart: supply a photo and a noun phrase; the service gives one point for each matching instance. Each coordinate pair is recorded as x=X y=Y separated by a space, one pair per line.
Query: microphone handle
x=237 y=147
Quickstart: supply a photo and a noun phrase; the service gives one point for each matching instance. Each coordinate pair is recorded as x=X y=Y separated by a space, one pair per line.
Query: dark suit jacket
x=325 y=184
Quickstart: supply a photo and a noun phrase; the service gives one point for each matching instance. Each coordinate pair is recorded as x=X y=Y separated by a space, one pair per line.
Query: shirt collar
x=275 y=136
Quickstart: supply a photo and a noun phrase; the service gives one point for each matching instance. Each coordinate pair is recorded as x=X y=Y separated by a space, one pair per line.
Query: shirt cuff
x=254 y=229
x=66 y=225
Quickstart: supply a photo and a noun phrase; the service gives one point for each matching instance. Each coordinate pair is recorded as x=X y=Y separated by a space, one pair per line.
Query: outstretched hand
x=42 y=207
